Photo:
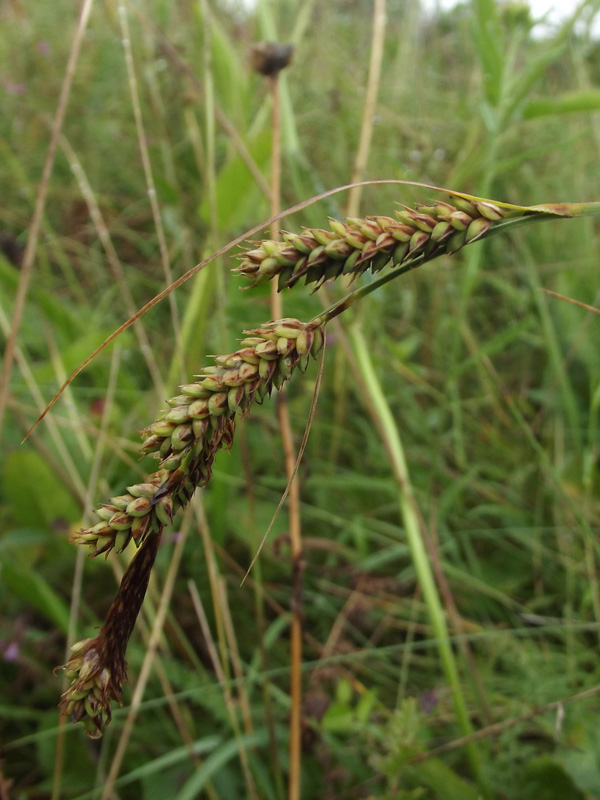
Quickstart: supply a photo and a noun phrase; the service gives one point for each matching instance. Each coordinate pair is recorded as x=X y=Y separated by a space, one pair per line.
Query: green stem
x=511 y=221
x=410 y=516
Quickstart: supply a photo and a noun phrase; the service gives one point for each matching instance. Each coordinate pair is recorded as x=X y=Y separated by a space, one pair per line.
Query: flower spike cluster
x=186 y=437
x=195 y=425
x=357 y=245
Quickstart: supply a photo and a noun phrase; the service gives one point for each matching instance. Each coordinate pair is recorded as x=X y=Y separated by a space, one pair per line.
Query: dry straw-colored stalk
x=186 y=436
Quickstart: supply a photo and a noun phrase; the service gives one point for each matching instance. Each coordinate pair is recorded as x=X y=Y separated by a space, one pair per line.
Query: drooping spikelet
x=357 y=245
x=97 y=667
x=197 y=423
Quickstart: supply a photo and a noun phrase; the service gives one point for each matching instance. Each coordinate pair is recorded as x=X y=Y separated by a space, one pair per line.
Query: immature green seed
x=270 y=246
x=248 y=372
x=121 y=501
x=323 y=237
x=211 y=383
x=267 y=350
x=162 y=428
x=195 y=390
x=264 y=368
x=464 y=205
x=460 y=220
x=339 y=249
x=400 y=252
x=120 y=521
x=355 y=239
x=151 y=442
x=303 y=244
x=441 y=231
x=140 y=525
x=286 y=330
x=285 y=346
x=235 y=398
x=489 y=211
x=178 y=400
x=139 y=507
x=286 y=258
x=269 y=266
x=171 y=463
x=142 y=490
x=303 y=342
x=199 y=428
x=122 y=539
x=177 y=415
x=231 y=377
x=456 y=241
x=218 y=404
x=477 y=229
x=181 y=436
x=337 y=227
x=369 y=228
x=418 y=241
x=164 y=510
x=198 y=409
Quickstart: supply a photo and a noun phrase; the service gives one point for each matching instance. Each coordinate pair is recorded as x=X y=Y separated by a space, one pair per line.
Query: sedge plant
x=201 y=419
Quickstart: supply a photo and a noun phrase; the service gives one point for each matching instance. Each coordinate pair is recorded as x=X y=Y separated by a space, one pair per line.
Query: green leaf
x=487 y=35
x=444 y=782
x=583 y=101
x=35 y=494
x=32 y=587
x=544 y=779
x=238 y=196
x=581 y=759
x=217 y=760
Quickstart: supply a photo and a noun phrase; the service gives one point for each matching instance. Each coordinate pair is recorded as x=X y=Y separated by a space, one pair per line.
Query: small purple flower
x=14 y=88
x=429 y=701
x=44 y=48
x=11 y=652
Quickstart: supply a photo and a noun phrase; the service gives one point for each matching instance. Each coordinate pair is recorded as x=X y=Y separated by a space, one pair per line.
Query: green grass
x=492 y=387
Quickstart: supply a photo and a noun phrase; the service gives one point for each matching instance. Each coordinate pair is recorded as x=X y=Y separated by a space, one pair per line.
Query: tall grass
x=491 y=383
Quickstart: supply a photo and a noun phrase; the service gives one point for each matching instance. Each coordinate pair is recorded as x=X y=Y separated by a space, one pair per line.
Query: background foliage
x=494 y=386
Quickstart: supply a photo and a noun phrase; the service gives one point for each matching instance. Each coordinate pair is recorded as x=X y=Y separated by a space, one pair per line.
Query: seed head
x=356 y=245
x=195 y=425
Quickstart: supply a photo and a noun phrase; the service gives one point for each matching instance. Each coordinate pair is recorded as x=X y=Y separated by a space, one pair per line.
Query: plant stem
x=390 y=435
x=295 y=529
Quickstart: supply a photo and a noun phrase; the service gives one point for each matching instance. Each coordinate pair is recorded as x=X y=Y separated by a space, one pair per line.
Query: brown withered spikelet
x=356 y=245
x=97 y=667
